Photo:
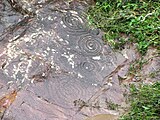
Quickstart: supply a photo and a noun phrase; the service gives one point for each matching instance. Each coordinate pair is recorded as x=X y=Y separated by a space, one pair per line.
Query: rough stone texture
x=151 y=70
x=58 y=66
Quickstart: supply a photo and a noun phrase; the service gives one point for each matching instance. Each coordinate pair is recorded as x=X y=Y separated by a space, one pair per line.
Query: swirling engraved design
x=90 y=46
x=110 y=59
x=74 y=24
x=89 y=66
x=68 y=90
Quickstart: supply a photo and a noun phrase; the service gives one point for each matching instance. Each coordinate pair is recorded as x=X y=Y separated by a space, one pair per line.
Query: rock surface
x=53 y=66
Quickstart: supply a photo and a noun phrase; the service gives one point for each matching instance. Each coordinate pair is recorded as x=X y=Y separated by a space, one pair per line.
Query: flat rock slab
x=58 y=66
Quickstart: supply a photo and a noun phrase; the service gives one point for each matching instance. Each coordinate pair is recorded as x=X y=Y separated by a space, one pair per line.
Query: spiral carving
x=67 y=91
x=90 y=46
x=88 y=66
x=74 y=24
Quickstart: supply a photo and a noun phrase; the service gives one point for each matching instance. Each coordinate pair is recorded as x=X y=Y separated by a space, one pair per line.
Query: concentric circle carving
x=67 y=91
x=74 y=24
x=87 y=66
x=90 y=46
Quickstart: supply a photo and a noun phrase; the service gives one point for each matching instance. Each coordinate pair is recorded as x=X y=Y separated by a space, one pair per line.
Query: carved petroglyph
x=90 y=46
x=59 y=59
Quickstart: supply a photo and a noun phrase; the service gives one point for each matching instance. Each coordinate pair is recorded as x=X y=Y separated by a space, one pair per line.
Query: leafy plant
x=125 y=21
x=145 y=103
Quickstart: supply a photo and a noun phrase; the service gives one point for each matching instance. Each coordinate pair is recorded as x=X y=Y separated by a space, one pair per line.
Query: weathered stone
x=58 y=65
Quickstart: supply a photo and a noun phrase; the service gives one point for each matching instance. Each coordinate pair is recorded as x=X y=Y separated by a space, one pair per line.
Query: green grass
x=123 y=21
x=137 y=22
x=145 y=103
x=137 y=66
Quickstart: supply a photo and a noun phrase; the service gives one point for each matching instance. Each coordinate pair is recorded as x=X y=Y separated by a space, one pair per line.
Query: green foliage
x=111 y=105
x=124 y=21
x=137 y=66
x=145 y=103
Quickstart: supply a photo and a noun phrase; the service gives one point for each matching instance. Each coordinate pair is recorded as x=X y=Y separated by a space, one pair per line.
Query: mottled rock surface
x=54 y=66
